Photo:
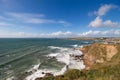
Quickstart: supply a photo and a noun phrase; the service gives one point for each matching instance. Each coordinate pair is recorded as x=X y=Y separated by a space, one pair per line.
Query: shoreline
x=75 y=61
x=89 y=52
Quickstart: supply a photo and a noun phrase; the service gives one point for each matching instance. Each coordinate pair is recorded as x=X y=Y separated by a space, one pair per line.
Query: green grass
x=109 y=70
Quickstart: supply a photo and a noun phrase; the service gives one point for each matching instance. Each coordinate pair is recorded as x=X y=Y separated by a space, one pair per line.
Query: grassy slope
x=109 y=70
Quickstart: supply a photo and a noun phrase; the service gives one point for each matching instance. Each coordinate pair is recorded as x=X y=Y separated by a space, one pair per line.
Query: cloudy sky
x=59 y=18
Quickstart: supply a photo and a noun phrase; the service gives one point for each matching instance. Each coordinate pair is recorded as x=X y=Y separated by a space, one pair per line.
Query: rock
x=48 y=74
x=98 y=53
x=43 y=73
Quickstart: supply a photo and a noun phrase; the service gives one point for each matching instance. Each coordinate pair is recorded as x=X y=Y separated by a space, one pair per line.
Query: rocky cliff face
x=102 y=63
x=98 y=53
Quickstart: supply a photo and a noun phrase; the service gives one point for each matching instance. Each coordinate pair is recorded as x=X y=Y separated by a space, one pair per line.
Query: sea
x=28 y=58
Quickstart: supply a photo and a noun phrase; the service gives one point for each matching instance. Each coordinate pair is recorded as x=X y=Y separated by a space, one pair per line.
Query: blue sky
x=59 y=18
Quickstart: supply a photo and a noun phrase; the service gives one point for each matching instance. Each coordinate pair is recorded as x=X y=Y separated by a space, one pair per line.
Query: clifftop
x=98 y=53
x=102 y=63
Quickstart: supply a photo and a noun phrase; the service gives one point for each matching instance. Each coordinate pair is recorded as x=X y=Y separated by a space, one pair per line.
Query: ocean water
x=19 y=57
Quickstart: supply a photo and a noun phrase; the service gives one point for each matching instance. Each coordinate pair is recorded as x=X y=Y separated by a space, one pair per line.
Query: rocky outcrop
x=102 y=63
x=98 y=53
x=48 y=74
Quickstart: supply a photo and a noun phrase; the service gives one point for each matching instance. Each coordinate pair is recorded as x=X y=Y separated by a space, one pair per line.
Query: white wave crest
x=63 y=55
x=34 y=68
x=11 y=78
x=54 y=47
x=76 y=46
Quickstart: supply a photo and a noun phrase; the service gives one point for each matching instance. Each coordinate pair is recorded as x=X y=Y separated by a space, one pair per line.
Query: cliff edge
x=98 y=53
x=102 y=62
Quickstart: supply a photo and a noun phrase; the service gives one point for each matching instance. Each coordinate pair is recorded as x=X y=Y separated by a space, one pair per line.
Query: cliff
x=98 y=53
x=102 y=63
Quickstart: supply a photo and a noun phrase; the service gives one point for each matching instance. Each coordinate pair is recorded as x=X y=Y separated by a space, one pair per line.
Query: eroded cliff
x=102 y=63
x=98 y=53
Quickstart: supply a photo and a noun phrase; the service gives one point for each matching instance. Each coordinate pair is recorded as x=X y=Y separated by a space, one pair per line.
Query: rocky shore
x=101 y=62
x=98 y=53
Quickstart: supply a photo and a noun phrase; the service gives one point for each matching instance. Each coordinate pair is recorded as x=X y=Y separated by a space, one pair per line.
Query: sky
x=59 y=18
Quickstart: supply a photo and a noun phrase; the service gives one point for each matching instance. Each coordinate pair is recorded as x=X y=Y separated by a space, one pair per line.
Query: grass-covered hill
x=102 y=63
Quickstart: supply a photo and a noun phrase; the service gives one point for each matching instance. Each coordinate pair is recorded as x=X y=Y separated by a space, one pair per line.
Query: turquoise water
x=19 y=55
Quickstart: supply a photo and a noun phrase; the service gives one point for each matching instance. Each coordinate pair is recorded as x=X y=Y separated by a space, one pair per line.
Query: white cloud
x=98 y=22
x=2 y=18
x=24 y=15
x=29 y=18
x=117 y=32
x=60 y=33
x=4 y=24
x=27 y=35
x=89 y=33
x=38 y=21
x=104 y=9
x=108 y=33
x=64 y=23
x=34 y=18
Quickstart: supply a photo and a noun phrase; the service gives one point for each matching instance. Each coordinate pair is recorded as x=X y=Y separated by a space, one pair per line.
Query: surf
x=63 y=55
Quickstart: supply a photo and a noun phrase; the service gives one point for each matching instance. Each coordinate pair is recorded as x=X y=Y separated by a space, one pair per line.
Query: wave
x=19 y=57
x=62 y=71
x=16 y=51
x=62 y=55
x=76 y=46
x=11 y=78
x=35 y=67
x=52 y=55
x=41 y=73
x=59 y=48
x=86 y=42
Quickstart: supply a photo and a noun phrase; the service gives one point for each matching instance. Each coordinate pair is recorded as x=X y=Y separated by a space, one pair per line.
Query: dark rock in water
x=77 y=57
x=43 y=73
x=48 y=74
x=67 y=66
x=34 y=70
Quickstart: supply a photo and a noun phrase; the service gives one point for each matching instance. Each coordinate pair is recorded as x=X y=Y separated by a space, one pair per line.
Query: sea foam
x=63 y=55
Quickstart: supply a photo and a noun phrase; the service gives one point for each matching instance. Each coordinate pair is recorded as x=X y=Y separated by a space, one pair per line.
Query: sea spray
x=17 y=56
x=63 y=55
x=35 y=67
x=11 y=78
x=75 y=46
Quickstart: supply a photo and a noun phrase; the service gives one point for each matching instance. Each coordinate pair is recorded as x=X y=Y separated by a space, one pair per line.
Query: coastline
x=52 y=57
x=72 y=59
x=98 y=54
x=96 y=57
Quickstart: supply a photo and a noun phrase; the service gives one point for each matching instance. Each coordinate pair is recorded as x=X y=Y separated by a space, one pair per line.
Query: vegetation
x=109 y=70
